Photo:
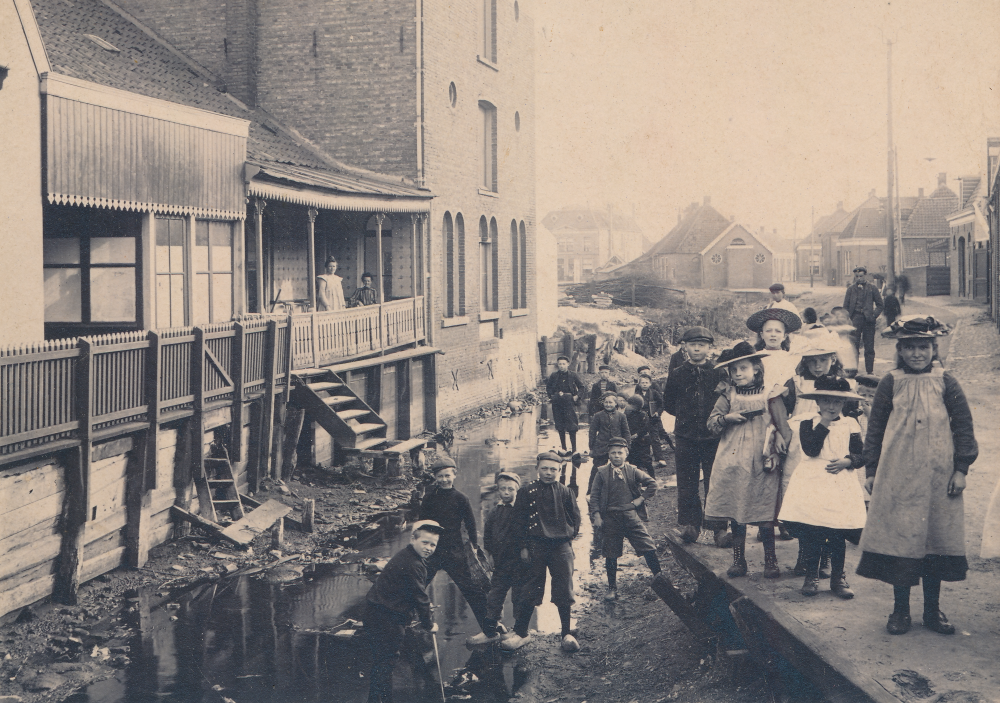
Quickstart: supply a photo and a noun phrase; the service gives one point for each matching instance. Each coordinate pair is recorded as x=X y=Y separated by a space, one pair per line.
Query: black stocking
x=611 y=566
x=932 y=595
x=901 y=594
x=652 y=562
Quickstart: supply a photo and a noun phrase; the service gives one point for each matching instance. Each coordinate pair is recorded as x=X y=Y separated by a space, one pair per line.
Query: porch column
x=414 y=219
x=258 y=205
x=379 y=219
x=311 y=213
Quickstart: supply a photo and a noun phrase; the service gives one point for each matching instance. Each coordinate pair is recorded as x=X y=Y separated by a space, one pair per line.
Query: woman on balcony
x=330 y=288
x=365 y=295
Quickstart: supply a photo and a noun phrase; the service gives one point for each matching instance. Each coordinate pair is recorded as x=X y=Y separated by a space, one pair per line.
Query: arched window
x=737 y=242
x=448 y=232
x=485 y=265
x=460 y=268
x=494 y=265
x=515 y=267
x=523 y=261
x=488 y=147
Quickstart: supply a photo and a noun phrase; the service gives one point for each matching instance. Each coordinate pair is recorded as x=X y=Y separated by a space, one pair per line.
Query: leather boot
x=739 y=567
x=800 y=562
x=810 y=587
x=937 y=621
x=771 y=570
x=838 y=584
x=824 y=563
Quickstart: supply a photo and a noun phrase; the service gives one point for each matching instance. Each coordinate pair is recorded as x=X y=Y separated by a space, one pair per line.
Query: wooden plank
x=42 y=450
x=244 y=531
x=28 y=516
x=151 y=442
x=103 y=545
x=110 y=449
x=205 y=507
x=204 y=524
x=236 y=447
x=39 y=433
x=31 y=549
x=114 y=521
x=267 y=417
x=406 y=445
x=23 y=487
x=669 y=594
x=108 y=561
x=387 y=359
x=26 y=593
x=138 y=501
x=107 y=472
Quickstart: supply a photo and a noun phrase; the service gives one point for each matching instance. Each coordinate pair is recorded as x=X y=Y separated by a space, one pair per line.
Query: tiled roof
x=970 y=184
x=924 y=252
x=929 y=216
x=585 y=219
x=692 y=234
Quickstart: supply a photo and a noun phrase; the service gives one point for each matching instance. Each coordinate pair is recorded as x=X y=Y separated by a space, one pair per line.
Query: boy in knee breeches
x=398 y=591
x=502 y=541
x=690 y=395
x=548 y=521
x=618 y=507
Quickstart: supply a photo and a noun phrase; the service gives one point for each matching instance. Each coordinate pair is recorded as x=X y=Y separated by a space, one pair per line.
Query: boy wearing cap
x=548 y=520
x=609 y=422
x=449 y=507
x=618 y=506
x=502 y=541
x=603 y=385
x=564 y=388
x=641 y=448
x=398 y=591
x=689 y=396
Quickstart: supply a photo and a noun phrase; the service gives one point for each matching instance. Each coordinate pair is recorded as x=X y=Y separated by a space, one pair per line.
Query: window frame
x=488 y=45
x=488 y=148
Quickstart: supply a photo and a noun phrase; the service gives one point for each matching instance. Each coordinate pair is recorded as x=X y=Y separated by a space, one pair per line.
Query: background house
x=969 y=245
x=592 y=242
x=925 y=240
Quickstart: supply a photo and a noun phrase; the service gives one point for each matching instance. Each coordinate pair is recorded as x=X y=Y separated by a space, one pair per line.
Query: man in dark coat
x=564 y=388
x=864 y=304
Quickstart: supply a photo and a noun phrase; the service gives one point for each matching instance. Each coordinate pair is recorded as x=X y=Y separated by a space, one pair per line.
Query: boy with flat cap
x=564 y=388
x=618 y=507
x=609 y=422
x=449 y=507
x=398 y=591
x=548 y=520
x=502 y=541
x=689 y=396
x=602 y=385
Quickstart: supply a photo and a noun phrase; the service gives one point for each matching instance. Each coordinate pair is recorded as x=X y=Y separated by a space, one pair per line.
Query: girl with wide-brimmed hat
x=745 y=487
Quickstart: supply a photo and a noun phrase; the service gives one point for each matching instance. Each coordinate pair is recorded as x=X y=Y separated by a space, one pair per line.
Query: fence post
x=543 y=356
x=77 y=485
x=267 y=415
x=239 y=359
x=286 y=393
x=153 y=413
x=198 y=423
x=138 y=500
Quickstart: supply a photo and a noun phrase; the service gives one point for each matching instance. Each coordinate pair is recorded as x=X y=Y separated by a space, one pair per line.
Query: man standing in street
x=864 y=304
x=564 y=388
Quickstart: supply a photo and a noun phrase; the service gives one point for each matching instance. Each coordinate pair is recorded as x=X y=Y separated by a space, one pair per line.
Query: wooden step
x=324 y=386
x=226 y=501
x=366 y=427
x=352 y=413
x=406 y=445
x=219 y=482
x=335 y=400
x=307 y=373
x=216 y=461
x=369 y=443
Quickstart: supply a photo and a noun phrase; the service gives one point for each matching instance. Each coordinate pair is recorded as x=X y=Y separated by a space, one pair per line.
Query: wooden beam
x=182 y=476
x=311 y=214
x=153 y=415
x=236 y=436
x=267 y=416
x=138 y=501
x=197 y=425
x=258 y=207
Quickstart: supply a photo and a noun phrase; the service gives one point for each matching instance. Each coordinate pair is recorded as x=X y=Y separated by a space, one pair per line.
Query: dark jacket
x=595 y=395
x=402 y=586
x=564 y=383
x=639 y=484
x=863 y=300
x=500 y=535
x=690 y=395
x=639 y=425
x=546 y=511
x=652 y=400
x=450 y=509
x=604 y=426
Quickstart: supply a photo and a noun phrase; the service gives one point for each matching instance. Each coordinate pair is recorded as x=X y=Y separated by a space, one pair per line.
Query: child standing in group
x=690 y=394
x=502 y=541
x=817 y=361
x=606 y=424
x=641 y=450
x=398 y=591
x=618 y=508
x=823 y=505
x=449 y=507
x=601 y=386
x=918 y=450
x=744 y=489
x=564 y=388
x=548 y=520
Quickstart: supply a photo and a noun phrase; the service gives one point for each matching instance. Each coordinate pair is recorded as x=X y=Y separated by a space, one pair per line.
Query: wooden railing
x=71 y=388
x=324 y=338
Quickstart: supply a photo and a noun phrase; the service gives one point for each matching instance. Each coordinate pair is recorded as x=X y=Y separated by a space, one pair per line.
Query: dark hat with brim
x=428 y=525
x=743 y=351
x=617 y=442
x=862 y=269
x=789 y=319
x=868 y=380
x=831 y=387
x=697 y=334
x=775 y=287
x=443 y=462
x=562 y=357
x=916 y=327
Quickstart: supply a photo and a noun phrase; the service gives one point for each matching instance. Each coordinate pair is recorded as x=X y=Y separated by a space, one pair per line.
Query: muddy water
x=252 y=640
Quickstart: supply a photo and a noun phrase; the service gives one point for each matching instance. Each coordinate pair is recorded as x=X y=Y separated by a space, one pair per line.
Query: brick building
x=925 y=239
x=592 y=242
x=440 y=93
x=970 y=239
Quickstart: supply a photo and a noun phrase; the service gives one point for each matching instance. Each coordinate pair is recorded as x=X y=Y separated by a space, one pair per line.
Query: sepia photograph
x=433 y=351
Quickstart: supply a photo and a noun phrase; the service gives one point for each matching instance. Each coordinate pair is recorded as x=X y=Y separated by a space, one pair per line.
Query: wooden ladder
x=217 y=490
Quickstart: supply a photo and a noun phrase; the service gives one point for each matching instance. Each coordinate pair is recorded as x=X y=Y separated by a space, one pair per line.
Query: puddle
x=250 y=640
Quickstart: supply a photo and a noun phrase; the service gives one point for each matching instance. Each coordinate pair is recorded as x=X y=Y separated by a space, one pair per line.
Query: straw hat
x=789 y=319
x=743 y=351
x=818 y=349
x=916 y=327
x=831 y=387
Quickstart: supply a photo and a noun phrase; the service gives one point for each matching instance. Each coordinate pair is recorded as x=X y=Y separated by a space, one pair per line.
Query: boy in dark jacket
x=603 y=385
x=450 y=508
x=503 y=541
x=689 y=396
x=618 y=507
x=548 y=521
x=641 y=450
x=399 y=590
x=564 y=388
x=606 y=424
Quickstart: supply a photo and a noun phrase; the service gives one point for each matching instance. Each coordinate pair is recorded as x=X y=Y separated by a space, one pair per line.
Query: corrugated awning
x=335 y=191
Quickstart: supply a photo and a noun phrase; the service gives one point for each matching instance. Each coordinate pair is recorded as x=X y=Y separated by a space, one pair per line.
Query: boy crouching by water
x=398 y=591
x=502 y=541
x=548 y=520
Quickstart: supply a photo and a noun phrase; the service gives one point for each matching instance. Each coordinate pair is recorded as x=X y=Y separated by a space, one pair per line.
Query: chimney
x=942 y=179
x=920 y=192
x=840 y=204
x=708 y=200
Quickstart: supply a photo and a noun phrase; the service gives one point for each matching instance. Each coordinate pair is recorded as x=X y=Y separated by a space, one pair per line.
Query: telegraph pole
x=812 y=242
x=890 y=268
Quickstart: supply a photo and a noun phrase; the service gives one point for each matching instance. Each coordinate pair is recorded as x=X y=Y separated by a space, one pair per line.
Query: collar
x=501 y=504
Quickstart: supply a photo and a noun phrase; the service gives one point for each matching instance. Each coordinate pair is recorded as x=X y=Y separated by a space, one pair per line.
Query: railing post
x=153 y=412
x=77 y=485
x=314 y=338
x=198 y=423
x=239 y=361
x=267 y=414
x=285 y=395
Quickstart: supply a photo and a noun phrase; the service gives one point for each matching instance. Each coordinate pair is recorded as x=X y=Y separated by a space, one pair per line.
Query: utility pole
x=890 y=269
x=812 y=242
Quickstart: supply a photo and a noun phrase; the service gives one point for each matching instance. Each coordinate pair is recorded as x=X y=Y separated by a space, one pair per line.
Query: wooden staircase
x=338 y=410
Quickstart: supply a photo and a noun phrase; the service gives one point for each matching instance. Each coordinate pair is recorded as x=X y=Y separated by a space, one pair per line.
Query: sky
x=771 y=107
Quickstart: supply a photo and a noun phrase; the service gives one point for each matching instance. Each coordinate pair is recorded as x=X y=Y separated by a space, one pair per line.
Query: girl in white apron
x=823 y=505
x=918 y=449
x=745 y=489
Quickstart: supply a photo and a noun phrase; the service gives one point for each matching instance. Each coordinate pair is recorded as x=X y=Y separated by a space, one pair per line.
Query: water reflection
x=258 y=641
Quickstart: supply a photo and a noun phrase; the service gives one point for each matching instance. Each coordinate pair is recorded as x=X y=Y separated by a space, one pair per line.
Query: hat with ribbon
x=743 y=351
x=831 y=387
x=916 y=327
x=789 y=319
